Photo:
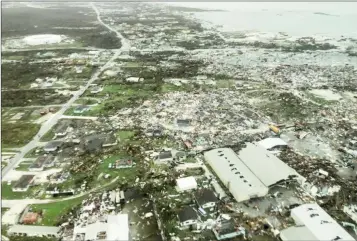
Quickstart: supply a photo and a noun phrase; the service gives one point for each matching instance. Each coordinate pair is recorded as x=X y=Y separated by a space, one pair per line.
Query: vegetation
x=13 y=98
x=53 y=212
x=17 y=134
x=7 y=193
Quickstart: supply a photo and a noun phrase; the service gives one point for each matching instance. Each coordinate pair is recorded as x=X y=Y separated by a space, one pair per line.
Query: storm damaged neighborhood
x=152 y=121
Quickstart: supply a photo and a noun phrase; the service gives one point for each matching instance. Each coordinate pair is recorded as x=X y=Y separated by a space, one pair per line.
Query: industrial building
x=31 y=230
x=313 y=223
x=245 y=175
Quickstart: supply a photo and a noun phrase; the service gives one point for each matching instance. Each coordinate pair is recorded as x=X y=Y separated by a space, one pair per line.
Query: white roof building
x=116 y=229
x=235 y=175
x=247 y=175
x=31 y=230
x=259 y=161
x=269 y=143
x=313 y=223
x=186 y=183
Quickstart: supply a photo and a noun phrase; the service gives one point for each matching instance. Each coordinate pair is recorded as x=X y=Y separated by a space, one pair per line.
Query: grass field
x=7 y=193
x=53 y=211
x=17 y=134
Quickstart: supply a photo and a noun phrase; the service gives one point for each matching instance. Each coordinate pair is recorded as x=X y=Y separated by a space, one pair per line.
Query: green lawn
x=17 y=134
x=23 y=166
x=53 y=211
x=48 y=136
x=125 y=173
x=7 y=193
x=125 y=135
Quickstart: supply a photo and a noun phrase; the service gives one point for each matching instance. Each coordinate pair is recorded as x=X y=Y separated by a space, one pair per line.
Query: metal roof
x=261 y=162
x=32 y=230
x=235 y=175
x=319 y=223
x=297 y=233
x=269 y=143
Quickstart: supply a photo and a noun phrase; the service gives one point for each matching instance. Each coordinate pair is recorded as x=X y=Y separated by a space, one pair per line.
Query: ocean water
x=332 y=20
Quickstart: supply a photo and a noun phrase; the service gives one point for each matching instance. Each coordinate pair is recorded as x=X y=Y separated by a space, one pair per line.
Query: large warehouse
x=248 y=175
x=313 y=223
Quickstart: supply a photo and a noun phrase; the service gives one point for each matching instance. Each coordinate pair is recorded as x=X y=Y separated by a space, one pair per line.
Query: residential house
x=42 y=162
x=188 y=216
x=122 y=163
x=96 y=89
x=96 y=142
x=39 y=231
x=134 y=79
x=23 y=184
x=225 y=228
x=62 y=130
x=206 y=198
x=52 y=146
x=165 y=156
x=81 y=109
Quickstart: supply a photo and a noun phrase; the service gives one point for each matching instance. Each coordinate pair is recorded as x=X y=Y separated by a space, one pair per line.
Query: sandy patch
x=41 y=39
x=326 y=94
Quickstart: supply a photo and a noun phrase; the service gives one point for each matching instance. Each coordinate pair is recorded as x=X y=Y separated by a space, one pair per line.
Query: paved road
x=54 y=119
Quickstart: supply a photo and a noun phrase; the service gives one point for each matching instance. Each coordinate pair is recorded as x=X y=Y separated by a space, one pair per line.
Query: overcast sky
x=326 y=7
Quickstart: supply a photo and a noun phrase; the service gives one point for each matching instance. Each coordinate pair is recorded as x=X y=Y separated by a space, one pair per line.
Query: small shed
x=186 y=184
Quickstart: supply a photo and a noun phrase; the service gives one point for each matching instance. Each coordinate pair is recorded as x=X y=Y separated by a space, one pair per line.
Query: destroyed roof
x=319 y=223
x=183 y=122
x=205 y=195
x=235 y=175
x=187 y=213
x=42 y=160
x=261 y=161
x=226 y=226
x=24 y=181
x=165 y=154
x=53 y=144
x=62 y=128
x=269 y=143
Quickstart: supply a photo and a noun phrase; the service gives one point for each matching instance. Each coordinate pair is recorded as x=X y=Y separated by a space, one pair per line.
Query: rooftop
x=259 y=160
x=24 y=181
x=319 y=223
x=31 y=229
x=187 y=213
x=205 y=195
x=41 y=160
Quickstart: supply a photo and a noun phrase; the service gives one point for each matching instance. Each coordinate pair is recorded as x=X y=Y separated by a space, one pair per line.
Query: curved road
x=54 y=119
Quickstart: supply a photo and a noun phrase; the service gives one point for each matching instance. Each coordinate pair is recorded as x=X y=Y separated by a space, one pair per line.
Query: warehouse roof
x=269 y=143
x=235 y=175
x=319 y=223
x=34 y=230
x=260 y=161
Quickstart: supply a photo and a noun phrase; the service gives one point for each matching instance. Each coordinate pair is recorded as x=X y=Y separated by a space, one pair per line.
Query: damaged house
x=62 y=130
x=206 y=199
x=188 y=216
x=96 y=142
x=42 y=162
x=23 y=184
x=225 y=228
x=52 y=146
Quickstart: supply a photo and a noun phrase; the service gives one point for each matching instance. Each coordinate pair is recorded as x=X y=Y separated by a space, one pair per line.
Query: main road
x=54 y=119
